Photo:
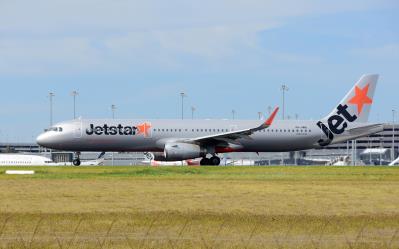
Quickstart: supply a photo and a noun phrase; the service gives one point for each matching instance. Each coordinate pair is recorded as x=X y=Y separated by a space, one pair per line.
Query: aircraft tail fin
x=359 y=99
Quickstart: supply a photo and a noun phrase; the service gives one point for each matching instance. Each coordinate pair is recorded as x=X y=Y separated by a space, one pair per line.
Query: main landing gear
x=76 y=161
x=213 y=161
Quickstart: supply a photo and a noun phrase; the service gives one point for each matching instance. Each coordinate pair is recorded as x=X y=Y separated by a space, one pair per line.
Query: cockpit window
x=57 y=129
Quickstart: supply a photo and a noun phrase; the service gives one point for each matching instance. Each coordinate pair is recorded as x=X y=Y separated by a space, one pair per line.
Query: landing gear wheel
x=76 y=162
x=214 y=160
x=205 y=161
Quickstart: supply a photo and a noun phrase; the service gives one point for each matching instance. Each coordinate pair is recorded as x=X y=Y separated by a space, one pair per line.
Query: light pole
x=74 y=94
x=233 y=112
x=355 y=152
x=393 y=135
x=284 y=88
x=381 y=147
x=51 y=95
x=192 y=112
x=369 y=138
x=182 y=95
x=113 y=109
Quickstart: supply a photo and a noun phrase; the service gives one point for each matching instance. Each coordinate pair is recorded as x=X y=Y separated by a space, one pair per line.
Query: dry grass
x=180 y=207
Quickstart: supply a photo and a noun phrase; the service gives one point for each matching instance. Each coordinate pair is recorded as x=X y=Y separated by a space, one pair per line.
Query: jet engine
x=179 y=151
x=157 y=156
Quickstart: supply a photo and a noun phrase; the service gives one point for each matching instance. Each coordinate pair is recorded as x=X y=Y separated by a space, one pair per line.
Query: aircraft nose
x=42 y=140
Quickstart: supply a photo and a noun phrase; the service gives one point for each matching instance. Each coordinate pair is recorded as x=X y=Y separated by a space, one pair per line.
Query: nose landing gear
x=76 y=161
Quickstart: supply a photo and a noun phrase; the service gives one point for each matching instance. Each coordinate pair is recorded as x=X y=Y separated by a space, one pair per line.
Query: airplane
x=176 y=140
x=13 y=159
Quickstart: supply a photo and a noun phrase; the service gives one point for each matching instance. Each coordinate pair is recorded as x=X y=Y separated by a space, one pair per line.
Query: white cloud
x=43 y=16
x=211 y=42
x=388 y=51
x=43 y=55
x=48 y=36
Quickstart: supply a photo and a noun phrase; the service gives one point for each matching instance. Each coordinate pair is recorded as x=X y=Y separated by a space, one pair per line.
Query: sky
x=224 y=54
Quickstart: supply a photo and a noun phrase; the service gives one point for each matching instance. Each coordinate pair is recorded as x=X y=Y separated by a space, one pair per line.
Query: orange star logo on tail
x=360 y=99
x=144 y=129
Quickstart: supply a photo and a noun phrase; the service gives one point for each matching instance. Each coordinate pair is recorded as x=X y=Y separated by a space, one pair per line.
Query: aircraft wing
x=231 y=136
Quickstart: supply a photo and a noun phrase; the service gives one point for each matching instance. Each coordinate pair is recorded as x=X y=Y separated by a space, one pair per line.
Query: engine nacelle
x=157 y=156
x=181 y=151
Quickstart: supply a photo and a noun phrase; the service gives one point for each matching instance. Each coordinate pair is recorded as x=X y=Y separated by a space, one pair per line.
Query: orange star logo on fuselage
x=360 y=99
x=144 y=129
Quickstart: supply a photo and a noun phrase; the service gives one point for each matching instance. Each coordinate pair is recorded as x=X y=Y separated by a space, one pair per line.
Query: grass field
x=200 y=207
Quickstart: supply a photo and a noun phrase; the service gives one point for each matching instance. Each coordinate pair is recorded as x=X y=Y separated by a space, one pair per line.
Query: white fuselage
x=35 y=160
x=23 y=160
x=90 y=135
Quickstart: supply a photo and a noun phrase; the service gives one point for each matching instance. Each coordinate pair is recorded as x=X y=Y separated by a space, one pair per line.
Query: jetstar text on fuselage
x=112 y=130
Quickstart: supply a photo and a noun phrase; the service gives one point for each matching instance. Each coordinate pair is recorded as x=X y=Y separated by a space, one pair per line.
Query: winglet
x=269 y=121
